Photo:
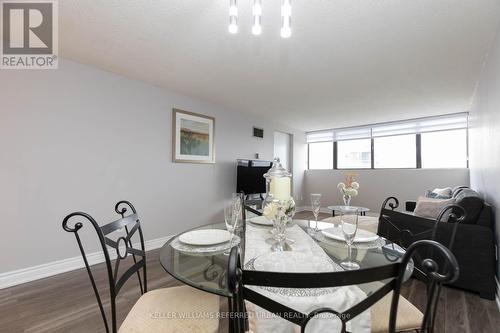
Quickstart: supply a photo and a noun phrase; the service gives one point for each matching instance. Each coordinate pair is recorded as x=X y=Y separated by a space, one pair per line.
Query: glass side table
x=362 y=210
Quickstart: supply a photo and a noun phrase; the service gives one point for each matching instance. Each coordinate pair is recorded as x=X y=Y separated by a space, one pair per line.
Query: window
x=432 y=142
x=445 y=149
x=396 y=151
x=321 y=155
x=354 y=154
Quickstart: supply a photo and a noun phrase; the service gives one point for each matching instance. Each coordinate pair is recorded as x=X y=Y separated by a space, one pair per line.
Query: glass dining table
x=207 y=271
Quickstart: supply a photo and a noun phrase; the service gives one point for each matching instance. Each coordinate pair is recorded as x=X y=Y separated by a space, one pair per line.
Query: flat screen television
x=250 y=176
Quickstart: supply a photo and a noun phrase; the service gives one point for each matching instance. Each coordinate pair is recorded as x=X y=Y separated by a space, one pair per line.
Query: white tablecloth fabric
x=340 y=298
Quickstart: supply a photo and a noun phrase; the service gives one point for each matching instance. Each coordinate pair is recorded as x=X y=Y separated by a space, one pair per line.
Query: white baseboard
x=13 y=278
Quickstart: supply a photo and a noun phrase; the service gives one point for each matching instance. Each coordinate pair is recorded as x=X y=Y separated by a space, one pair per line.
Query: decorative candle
x=280 y=188
x=278 y=181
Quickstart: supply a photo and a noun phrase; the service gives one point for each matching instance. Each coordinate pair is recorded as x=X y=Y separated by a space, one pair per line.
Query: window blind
x=352 y=133
x=320 y=136
x=424 y=125
x=414 y=126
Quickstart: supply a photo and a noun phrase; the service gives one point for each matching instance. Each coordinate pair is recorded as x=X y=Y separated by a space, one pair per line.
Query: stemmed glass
x=279 y=221
x=238 y=203
x=315 y=205
x=349 y=222
x=231 y=218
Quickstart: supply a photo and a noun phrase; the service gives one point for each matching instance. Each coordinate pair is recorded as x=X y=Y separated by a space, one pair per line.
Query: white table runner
x=338 y=299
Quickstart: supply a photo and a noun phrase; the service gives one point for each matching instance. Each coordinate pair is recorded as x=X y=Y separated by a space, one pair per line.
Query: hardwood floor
x=66 y=304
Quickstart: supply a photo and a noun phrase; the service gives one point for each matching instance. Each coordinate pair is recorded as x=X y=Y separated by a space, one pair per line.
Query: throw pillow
x=430 y=208
x=444 y=192
x=434 y=195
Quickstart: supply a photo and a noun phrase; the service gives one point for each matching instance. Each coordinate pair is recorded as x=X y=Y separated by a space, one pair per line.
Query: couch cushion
x=472 y=203
x=431 y=208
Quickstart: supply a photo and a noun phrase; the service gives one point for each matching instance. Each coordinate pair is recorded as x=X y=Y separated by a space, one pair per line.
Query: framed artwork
x=192 y=137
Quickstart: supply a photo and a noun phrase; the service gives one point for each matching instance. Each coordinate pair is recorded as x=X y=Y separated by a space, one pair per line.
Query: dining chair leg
x=237 y=310
x=230 y=313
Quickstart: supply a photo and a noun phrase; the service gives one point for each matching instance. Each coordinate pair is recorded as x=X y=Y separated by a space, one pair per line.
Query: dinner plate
x=205 y=237
x=197 y=250
x=292 y=262
x=262 y=220
x=362 y=236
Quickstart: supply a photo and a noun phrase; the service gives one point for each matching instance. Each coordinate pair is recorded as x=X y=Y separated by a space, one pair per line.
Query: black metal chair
x=155 y=310
x=239 y=280
x=454 y=214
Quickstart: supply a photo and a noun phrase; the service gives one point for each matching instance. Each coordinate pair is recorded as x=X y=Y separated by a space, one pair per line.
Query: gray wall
x=485 y=132
x=80 y=139
x=377 y=185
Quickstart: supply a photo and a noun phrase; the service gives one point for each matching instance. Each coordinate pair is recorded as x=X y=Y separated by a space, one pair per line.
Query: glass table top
x=340 y=207
x=207 y=271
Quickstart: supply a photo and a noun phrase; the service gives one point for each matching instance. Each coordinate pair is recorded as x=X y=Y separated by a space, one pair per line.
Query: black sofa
x=474 y=245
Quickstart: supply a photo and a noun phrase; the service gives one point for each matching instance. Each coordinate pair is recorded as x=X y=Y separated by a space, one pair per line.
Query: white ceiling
x=348 y=62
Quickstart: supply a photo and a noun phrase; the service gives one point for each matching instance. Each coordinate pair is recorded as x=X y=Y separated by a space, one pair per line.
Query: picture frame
x=193 y=137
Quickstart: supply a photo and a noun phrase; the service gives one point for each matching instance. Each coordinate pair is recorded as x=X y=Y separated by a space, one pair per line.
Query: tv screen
x=250 y=176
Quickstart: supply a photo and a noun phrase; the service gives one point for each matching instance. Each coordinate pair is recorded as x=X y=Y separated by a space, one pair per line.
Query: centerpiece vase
x=278 y=188
x=280 y=234
x=347 y=200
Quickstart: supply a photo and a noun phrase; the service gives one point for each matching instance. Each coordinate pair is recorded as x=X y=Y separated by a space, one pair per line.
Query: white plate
x=362 y=236
x=292 y=262
x=196 y=250
x=262 y=220
x=205 y=237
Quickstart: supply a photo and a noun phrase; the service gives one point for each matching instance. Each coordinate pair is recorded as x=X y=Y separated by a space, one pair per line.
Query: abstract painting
x=193 y=137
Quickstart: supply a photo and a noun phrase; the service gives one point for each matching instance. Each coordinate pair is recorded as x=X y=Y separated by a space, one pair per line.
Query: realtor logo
x=29 y=34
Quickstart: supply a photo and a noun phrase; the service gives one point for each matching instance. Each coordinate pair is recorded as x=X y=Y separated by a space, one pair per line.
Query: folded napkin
x=338 y=298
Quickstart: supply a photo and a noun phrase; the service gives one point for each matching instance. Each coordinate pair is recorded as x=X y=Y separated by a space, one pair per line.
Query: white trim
x=13 y=278
x=497 y=298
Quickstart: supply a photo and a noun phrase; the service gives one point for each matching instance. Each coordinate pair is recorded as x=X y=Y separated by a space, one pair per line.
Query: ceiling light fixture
x=257 y=17
x=233 y=16
x=286 y=18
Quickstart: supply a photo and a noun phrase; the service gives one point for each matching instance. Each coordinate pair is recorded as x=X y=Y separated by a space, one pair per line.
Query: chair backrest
x=248 y=208
x=444 y=232
x=239 y=280
x=124 y=229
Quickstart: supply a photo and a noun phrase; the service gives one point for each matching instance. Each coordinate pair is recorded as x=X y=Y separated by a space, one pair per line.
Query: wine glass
x=315 y=205
x=231 y=220
x=237 y=204
x=349 y=222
